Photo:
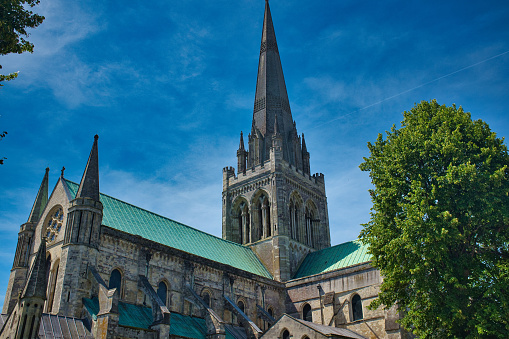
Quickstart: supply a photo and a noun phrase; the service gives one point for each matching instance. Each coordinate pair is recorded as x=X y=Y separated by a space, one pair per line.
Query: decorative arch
x=241 y=220
x=162 y=291
x=260 y=223
x=295 y=210
x=285 y=334
x=356 y=308
x=312 y=220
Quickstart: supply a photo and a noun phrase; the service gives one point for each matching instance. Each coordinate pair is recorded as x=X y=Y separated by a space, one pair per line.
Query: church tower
x=273 y=204
x=81 y=242
x=21 y=262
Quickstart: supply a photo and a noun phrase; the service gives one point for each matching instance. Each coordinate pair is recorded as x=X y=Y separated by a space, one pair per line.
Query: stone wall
x=330 y=297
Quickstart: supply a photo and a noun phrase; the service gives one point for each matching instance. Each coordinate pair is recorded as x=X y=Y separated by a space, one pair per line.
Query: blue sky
x=169 y=85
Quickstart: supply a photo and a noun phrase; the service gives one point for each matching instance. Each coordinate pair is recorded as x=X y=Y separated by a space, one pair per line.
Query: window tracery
x=53 y=224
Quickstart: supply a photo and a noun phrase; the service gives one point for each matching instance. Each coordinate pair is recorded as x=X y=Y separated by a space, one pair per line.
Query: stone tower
x=81 y=242
x=273 y=203
x=24 y=247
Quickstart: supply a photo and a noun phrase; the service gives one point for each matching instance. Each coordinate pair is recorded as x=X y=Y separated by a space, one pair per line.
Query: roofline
x=162 y=216
x=351 y=269
x=190 y=256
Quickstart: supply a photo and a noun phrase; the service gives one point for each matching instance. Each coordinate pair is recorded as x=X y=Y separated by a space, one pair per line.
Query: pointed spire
x=271 y=97
x=37 y=278
x=40 y=200
x=89 y=185
x=241 y=146
x=304 y=148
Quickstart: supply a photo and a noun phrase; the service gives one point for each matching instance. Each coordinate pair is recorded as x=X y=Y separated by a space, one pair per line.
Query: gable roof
x=329 y=330
x=58 y=326
x=134 y=220
x=334 y=258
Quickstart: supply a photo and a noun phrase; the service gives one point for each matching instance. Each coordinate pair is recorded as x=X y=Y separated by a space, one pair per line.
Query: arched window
x=244 y=221
x=306 y=313
x=357 y=307
x=240 y=304
x=162 y=292
x=261 y=217
x=206 y=298
x=286 y=334
x=271 y=312
x=51 y=287
x=115 y=280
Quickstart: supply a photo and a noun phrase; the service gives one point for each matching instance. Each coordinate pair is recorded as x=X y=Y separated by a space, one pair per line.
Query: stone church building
x=88 y=265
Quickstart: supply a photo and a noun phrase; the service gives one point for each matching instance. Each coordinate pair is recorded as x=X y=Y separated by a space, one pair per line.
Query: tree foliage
x=15 y=19
x=439 y=224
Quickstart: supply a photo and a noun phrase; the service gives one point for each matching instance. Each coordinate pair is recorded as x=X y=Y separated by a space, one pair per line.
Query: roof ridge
x=162 y=216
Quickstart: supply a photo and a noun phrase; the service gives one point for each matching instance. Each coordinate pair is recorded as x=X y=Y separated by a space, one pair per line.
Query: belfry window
x=357 y=308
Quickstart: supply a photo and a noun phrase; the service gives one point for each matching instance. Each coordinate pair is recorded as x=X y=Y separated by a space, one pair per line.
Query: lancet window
x=294 y=209
x=261 y=224
x=311 y=224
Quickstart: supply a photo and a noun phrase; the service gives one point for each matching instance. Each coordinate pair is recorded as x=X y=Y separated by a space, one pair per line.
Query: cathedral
x=88 y=265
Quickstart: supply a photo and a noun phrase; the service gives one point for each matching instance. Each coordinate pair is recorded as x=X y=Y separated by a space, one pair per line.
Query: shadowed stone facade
x=122 y=272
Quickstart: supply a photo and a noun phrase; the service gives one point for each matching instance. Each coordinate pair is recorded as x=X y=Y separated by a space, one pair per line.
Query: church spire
x=271 y=98
x=40 y=200
x=89 y=185
x=37 y=278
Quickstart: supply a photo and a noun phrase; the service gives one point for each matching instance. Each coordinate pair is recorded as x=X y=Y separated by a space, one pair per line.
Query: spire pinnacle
x=89 y=185
x=271 y=97
x=37 y=280
x=40 y=200
x=304 y=148
x=241 y=146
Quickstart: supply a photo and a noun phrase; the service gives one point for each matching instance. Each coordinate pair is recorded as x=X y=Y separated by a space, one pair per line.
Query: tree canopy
x=439 y=224
x=15 y=18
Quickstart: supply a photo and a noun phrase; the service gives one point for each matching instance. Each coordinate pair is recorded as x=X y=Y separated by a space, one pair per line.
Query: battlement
x=229 y=172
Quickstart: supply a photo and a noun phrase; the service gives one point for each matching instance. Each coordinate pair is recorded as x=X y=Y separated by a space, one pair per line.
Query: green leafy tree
x=439 y=224
x=15 y=19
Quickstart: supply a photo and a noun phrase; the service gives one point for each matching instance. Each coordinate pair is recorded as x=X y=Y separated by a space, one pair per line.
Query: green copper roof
x=134 y=220
x=333 y=258
x=139 y=316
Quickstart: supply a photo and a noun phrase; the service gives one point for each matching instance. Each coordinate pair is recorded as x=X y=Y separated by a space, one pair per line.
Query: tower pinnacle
x=271 y=98
x=89 y=185
x=40 y=200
